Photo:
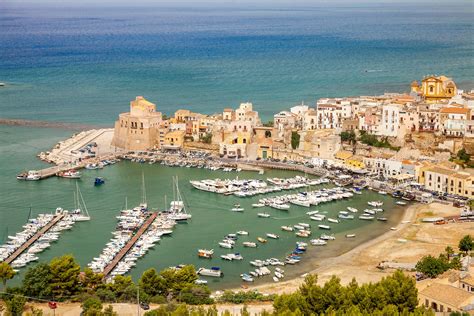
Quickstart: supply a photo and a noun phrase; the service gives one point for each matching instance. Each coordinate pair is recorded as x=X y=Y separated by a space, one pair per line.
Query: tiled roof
x=448 y=294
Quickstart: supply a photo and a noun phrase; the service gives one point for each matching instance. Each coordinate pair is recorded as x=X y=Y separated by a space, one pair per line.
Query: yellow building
x=174 y=140
x=435 y=89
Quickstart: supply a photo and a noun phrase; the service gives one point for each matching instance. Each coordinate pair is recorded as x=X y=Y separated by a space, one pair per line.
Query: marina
x=209 y=210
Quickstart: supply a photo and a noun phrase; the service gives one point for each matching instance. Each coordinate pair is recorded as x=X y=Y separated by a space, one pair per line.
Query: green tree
x=37 y=281
x=6 y=273
x=15 y=304
x=431 y=266
x=65 y=277
x=91 y=280
x=91 y=306
x=463 y=155
x=295 y=139
x=268 y=124
x=152 y=283
x=109 y=311
x=449 y=251
x=207 y=139
x=400 y=290
x=348 y=136
x=466 y=244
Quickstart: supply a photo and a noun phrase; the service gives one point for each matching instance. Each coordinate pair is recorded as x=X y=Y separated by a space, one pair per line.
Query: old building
x=435 y=89
x=138 y=129
x=453 y=120
x=444 y=298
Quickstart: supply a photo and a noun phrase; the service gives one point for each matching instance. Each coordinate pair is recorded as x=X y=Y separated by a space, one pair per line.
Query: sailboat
x=177 y=209
x=143 y=204
x=80 y=213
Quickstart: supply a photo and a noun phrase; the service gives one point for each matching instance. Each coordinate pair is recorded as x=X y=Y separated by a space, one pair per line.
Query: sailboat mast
x=143 y=189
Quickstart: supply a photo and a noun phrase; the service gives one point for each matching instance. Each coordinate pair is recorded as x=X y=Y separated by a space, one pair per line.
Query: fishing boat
x=212 y=272
x=204 y=253
x=262 y=240
x=99 y=181
x=350 y=235
x=273 y=236
x=249 y=244
x=264 y=215
x=22 y=175
x=70 y=174
x=327 y=237
x=200 y=282
x=287 y=228
x=237 y=208
x=324 y=227
x=33 y=175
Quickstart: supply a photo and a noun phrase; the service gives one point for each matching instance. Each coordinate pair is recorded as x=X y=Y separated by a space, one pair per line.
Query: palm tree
x=6 y=273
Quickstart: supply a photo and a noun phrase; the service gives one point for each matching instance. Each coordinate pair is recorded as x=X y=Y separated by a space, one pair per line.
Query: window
x=431 y=89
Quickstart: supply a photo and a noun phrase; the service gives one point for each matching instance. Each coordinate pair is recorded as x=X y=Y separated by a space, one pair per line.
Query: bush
x=244 y=297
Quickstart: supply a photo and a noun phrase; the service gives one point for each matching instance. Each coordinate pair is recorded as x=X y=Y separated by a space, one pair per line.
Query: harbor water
x=211 y=221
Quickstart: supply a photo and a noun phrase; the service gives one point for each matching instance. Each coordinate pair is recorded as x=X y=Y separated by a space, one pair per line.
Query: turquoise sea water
x=84 y=65
x=212 y=218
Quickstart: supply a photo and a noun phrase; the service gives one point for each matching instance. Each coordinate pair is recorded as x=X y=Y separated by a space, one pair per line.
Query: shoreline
x=292 y=284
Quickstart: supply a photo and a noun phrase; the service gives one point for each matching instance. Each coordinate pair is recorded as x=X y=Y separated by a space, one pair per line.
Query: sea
x=78 y=64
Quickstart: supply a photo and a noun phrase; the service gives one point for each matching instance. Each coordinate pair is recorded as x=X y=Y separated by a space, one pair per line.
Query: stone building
x=138 y=129
x=435 y=89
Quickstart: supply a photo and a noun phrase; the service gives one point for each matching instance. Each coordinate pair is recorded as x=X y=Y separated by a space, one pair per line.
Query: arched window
x=431 y=89
x=244 y=141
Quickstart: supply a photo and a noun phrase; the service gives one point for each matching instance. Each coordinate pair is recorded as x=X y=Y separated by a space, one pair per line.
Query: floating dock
x=129 y=244
x=34 y=238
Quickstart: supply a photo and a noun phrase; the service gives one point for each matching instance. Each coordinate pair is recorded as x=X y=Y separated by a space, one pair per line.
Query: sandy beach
x=411 y=241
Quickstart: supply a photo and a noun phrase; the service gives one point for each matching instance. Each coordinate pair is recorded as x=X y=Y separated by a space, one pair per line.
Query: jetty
x=34 y=238
x=129 y=244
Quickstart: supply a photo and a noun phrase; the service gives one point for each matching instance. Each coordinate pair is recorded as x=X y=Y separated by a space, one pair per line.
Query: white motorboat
x=225 y=244
x=249 y=244
x=332 y=220
x=264 y=215
x=200 y=282
x=212 y=272
x=324 y=227
x=237 y=208
x=318 y=242
x=273 y=236
x=352 y=209
x=242 y=232
x=366 y=217
x=350 y=235
x=258 y=205
x=375 y=203
x=287 y=228
x=401 y=203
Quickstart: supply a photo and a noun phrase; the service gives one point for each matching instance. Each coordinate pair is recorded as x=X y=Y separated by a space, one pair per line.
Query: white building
x=390 y=123
x=383 y=167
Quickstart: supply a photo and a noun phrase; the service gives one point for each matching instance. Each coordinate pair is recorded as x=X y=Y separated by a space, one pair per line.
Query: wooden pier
x=129 y=245
x=34 y=238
